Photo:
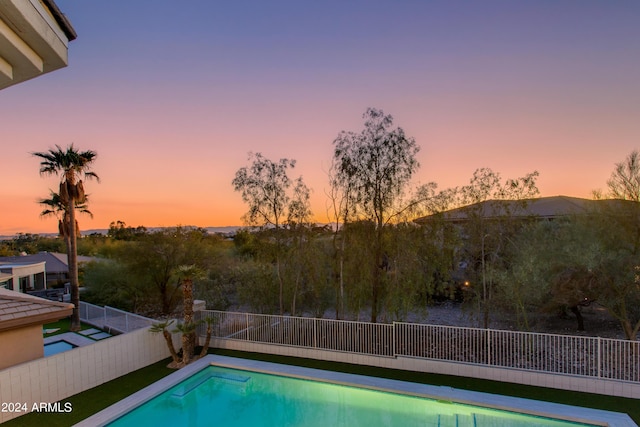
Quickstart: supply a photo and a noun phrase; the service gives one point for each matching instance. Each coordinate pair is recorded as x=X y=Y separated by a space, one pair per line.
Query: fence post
x=393 y=338
x=489 y=347
x=315 y=332
x=599 y=358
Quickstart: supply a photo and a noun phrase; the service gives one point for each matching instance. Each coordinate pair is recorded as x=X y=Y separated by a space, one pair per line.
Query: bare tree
x=265 y=187
x=489 y=224
x=373 y=168
x=340 y=213
x=625 y=179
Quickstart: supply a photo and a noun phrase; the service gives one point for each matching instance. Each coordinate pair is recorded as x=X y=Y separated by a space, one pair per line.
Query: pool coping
x=71 y=338
x=526 y=406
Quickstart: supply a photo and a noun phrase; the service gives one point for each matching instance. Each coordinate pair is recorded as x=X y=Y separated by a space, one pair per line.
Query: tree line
x=374 y=261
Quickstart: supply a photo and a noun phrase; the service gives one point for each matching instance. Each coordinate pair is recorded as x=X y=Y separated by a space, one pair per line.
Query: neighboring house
x=23 y=276
x=56 y=268
x=34 y=39
x=543 y=208
x=539 y=209
x=21 y=319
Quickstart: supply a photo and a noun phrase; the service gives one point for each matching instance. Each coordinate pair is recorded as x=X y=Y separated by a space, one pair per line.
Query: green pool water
x=219 y=396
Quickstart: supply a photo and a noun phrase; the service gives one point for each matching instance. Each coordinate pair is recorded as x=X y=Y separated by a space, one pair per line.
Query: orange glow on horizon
x=476 y=86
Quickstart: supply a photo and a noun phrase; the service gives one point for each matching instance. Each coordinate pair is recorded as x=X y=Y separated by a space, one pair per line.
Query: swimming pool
x=225 y=391
x=57 y=347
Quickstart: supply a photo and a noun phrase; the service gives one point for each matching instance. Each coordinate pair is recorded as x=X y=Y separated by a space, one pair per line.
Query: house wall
x=55 y=378
x=26 y=277
x=21 y=345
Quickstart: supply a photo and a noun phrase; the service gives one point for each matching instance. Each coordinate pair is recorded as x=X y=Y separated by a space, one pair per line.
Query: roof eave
x=61 y=19
x=37 y=319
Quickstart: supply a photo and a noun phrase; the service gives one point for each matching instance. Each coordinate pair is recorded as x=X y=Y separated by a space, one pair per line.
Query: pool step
x=239 y=380
x=479 y=420
x=485 y=420
x=456 y=420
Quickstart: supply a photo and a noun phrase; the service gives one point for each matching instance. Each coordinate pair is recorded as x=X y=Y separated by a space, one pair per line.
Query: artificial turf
x=62 y=326
x=94 y=400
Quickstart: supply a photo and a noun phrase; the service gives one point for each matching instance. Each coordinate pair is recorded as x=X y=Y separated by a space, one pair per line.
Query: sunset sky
x=173 y=95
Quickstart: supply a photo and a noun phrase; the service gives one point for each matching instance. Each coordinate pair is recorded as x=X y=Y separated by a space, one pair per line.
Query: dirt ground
x=597 y=321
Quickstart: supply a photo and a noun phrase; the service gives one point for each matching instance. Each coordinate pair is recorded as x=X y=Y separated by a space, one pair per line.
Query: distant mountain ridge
x=227 y=230
x=212 y=230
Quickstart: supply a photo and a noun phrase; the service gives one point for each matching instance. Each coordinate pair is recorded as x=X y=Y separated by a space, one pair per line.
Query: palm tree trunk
x=189 y=339
x=186 y=353
x=172 y=350
x=187 y=296
x=72 y=260
x=207 y=341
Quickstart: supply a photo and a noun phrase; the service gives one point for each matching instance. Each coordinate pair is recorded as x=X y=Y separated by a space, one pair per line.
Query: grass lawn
x=98 y=398
x=63 y=326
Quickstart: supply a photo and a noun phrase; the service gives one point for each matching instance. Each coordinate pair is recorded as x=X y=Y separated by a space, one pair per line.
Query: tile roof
x=56 y=262
x=543 y=207
x=18 y=310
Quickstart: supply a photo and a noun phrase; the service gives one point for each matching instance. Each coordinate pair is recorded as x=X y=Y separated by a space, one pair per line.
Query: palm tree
x=164 y=328
x=210 y=321
x=54 y=206
x=187 y=274
x=70 y=165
